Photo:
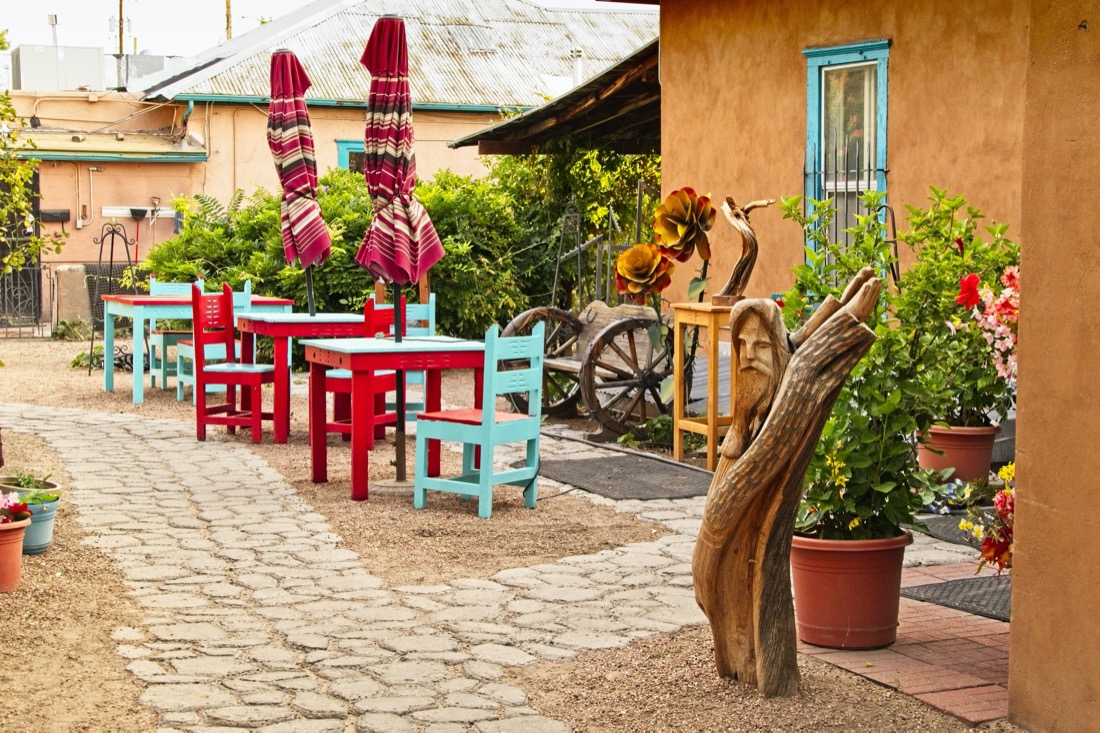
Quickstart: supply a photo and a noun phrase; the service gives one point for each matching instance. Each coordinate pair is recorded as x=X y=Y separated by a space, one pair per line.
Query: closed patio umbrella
x=290 y=138
x=401 y=244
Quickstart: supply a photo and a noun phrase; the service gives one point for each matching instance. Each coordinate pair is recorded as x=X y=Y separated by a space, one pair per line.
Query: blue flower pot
x=39 y=534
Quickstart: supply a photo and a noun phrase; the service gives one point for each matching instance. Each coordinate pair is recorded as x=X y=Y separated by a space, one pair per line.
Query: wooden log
x=741 y=564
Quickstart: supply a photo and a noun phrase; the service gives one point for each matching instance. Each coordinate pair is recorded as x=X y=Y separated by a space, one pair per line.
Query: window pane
x=848 y=105
x=355 y=161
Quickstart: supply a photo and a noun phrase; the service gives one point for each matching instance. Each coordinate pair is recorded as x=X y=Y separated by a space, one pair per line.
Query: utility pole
x=228 y=19
x=120 y=22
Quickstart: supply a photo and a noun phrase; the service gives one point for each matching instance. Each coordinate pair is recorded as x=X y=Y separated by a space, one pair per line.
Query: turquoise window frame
x=817 y=61
x=344 y=149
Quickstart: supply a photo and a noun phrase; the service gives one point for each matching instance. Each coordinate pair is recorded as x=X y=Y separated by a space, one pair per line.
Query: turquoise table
x=364 y=356
x=142 y=309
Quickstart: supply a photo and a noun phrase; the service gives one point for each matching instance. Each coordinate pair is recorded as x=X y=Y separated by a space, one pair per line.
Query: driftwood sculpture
x=738 y=216
x=786 y=386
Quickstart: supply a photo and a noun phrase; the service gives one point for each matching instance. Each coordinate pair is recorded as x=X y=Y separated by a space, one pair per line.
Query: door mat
x=629 y=477
x=946 y=528
x=985 y=595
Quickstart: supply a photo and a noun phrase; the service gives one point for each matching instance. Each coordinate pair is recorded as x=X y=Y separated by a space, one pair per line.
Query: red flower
x=968 y=291
x=960 y=245
x=779 y=302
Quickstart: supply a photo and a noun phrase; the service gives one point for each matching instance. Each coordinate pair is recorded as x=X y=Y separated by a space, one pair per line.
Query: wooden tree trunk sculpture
x=738 y=216
x=786 y=387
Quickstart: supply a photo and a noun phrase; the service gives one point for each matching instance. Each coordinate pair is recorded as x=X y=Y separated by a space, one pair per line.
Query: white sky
x=161 y=28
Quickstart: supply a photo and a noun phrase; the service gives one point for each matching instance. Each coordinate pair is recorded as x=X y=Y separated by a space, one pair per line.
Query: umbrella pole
x=309 y=291
x=399 y=437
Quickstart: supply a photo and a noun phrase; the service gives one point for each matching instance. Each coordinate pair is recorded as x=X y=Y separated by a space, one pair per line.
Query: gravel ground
x=56 y=629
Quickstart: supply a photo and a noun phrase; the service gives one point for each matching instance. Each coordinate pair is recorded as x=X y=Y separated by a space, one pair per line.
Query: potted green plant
x=960 y=300
x=42 y=497
x=863 y=485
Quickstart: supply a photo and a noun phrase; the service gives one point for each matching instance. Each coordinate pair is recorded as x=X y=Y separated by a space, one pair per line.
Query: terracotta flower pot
x=11 y=554
x=968 y=450
x=846 y=591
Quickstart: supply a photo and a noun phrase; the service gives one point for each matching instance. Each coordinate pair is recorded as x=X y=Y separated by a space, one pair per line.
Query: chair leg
x=485 y=492
x=531 y=492
x=379 y=408
x=341 y=411
x=179 y=382
x=420 y=471
x=200 y=415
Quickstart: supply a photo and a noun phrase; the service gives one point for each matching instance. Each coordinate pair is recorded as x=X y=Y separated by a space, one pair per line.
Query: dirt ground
x=56 y=629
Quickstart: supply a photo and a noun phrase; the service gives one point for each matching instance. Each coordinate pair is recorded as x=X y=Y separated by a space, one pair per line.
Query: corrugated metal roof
x=489 y=53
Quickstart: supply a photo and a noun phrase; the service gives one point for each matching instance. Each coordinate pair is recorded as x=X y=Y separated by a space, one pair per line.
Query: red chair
x=214 y=323
x=377 y=320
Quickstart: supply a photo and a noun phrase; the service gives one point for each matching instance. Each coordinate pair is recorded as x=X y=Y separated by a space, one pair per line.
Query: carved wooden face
x=755 y=348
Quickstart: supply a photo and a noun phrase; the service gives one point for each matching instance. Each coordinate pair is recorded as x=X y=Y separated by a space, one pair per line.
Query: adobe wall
x=734 y=108
x=238 y=158
x=1055 y=644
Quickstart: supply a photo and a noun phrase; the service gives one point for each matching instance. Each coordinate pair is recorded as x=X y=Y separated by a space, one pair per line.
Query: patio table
x=142 y=309
x=282 y=327
x=364 y=356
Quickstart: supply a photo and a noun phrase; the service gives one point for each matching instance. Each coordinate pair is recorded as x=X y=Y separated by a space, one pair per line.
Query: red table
x=282 y=327
x=362 y=357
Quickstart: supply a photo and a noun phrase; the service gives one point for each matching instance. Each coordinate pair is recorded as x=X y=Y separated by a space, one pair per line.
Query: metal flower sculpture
x=641 y=270
x=681 y=224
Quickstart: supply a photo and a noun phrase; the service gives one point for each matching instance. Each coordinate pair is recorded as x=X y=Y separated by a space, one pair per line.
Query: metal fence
x=26 y=299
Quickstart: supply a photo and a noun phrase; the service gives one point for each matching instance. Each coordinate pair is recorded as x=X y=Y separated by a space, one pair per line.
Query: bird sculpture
x=738 y=216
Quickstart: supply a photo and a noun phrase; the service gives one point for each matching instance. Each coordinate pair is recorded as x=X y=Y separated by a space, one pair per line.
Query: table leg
x=712 y=395
x=361 y=401
x=678 y=330
x=108 y=348
x=433 y=385
x=282 y=389
x=139 y=355
x=318 y=437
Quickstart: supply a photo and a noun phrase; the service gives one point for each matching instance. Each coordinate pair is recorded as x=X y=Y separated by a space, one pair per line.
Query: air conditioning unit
x=57 y=68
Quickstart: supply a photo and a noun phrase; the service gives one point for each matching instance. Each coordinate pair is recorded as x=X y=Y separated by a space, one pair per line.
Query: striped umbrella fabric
x=401 y=244
x=290 y=138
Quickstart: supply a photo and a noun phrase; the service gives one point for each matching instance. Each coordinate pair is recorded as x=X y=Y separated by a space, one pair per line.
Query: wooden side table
x=713 y=318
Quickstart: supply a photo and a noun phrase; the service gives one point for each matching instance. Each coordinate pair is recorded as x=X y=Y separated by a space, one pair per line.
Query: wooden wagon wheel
x=621 y=375
x=560 y=388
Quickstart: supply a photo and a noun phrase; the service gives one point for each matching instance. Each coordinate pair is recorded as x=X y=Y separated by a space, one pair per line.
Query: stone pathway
x=255 y=618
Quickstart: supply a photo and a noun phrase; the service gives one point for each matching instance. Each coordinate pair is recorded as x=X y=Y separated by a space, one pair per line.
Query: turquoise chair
x=160 y=340
x=512 y=365
x=215 y=352
x=214 y=321
x=419 y=321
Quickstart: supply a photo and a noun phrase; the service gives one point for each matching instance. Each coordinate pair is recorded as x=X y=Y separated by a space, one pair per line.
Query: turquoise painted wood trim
x=817 y=60
x=116 y=157
x=343 y=150
x=356 y=104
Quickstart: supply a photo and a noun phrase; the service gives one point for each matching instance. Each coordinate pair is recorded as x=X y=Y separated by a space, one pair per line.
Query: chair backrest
x=379 y=318
x=419 y=318
x=213 y=323
x=160 y=288
x=513 y=365
x=242 y=299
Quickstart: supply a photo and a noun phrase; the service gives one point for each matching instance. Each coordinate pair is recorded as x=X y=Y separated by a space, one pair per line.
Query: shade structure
x=290 y=138
x=401 y=244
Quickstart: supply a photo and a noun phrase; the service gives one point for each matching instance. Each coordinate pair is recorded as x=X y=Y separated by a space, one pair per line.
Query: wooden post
x=786 y=387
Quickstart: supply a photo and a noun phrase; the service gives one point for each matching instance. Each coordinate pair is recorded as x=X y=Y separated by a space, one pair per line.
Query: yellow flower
x=1007 y=472
x=642 y=269
x=681 y=224
x=854 y=523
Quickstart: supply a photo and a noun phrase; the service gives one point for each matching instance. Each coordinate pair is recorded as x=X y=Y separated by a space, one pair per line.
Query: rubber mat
x=629 y=477
x=985 y=595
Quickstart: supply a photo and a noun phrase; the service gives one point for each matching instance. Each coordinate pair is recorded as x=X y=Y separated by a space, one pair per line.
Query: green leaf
x=696 y=287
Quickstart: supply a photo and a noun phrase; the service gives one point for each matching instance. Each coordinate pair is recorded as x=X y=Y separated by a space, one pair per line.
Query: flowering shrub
x=938 y=309
x=12 y=508
x=994 y=530
x=998 y=320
